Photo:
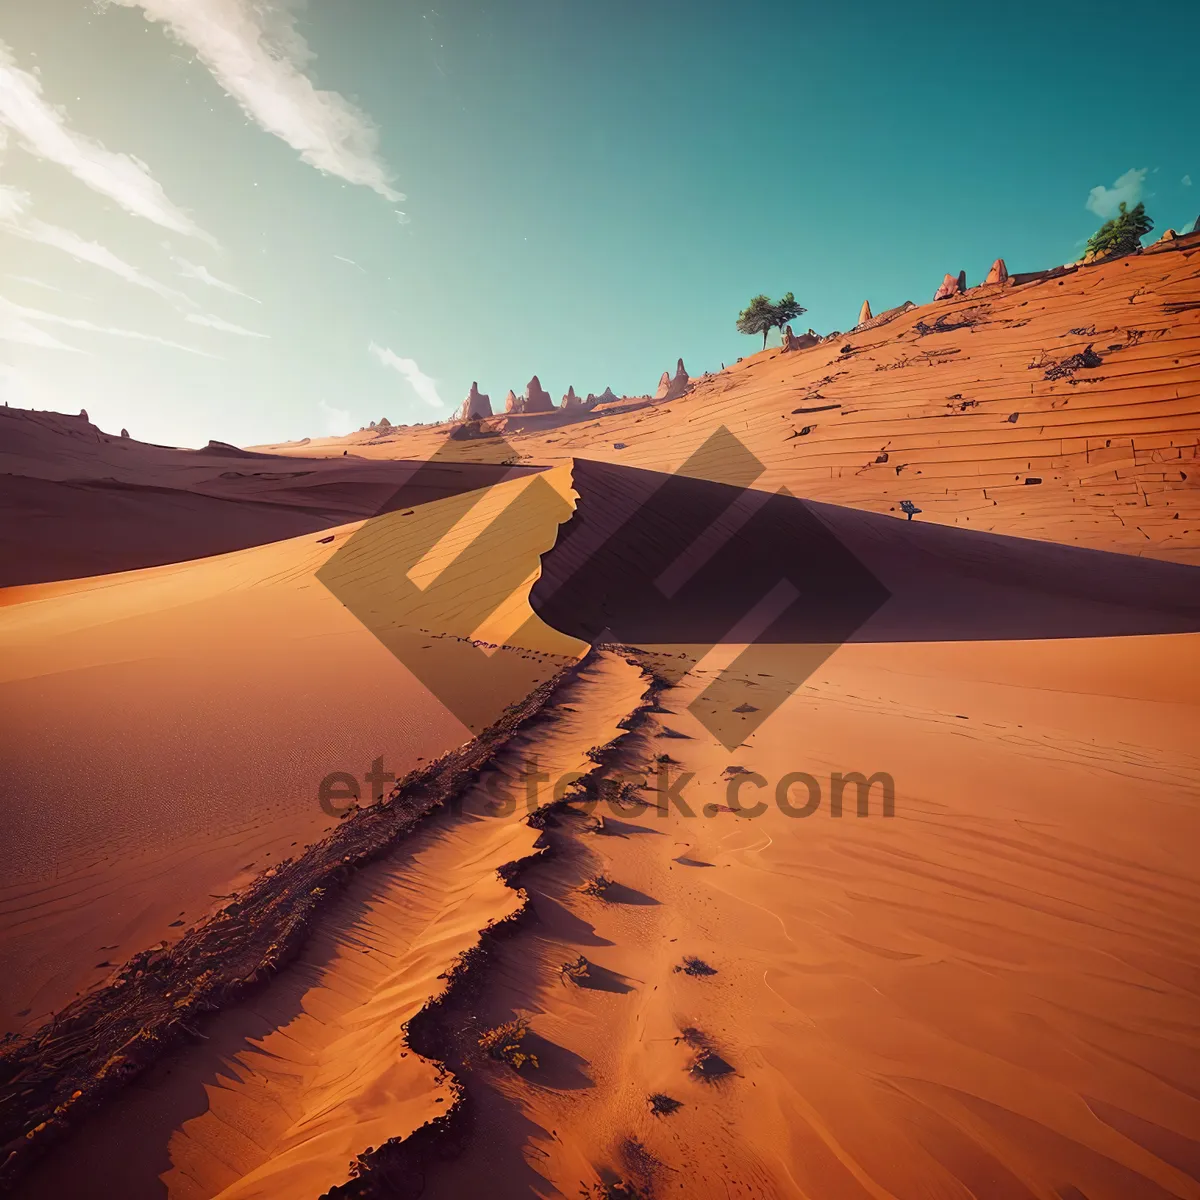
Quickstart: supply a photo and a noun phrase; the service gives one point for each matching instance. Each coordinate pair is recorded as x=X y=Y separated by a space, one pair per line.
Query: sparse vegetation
x=1121 y=234
x=662 y=1105
x=596 y=886
x=708 y=1065
x=787 y=310
x=576 y=971
x=697 y=967
x=617 y=1189
x=762 y=315
x=757 y=317
x=505 y=1043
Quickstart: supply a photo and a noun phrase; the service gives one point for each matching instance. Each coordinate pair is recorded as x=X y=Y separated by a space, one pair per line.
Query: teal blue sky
x=589 y=190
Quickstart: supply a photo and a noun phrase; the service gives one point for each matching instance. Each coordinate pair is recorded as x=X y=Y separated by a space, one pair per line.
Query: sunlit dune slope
x=990 y=992
x=289 y=1087
x=167 y=730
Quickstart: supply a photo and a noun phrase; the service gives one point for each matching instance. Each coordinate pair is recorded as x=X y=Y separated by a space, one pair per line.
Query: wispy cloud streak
x=14 y=220
x=202 y=274
x=255 y=53
x=420 y=383
x=18 y=313
x=219 y=323
x=15 y=328
x=43 y=130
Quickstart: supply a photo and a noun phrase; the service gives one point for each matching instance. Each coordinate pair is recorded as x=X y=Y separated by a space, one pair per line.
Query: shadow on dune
x=681 y=565
x=618 y=893
x=650 y=558
x=615 y=827
x=601 y=979
x=560 y=1069
x=565 y=925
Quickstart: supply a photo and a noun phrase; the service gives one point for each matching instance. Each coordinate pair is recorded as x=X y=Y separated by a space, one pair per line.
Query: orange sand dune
x=926 y=417
x=83 y=502
x=288 y=1089
x=990 y=993
x=168 y=729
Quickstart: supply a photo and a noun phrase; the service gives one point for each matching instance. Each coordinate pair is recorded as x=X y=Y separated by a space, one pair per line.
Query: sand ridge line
x=444 y=1031
x=91 y=1049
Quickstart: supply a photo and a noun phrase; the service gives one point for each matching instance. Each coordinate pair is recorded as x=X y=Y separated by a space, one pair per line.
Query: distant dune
x=85 y=502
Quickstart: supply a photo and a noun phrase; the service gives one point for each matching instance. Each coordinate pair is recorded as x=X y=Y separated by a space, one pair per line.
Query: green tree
x=762 y=315
x=757 y=317
x=1121 y=234
x=787 y=310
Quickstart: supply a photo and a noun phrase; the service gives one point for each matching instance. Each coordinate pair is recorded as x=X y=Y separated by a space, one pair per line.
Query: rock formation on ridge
x=536 y=398
x=951 y=286
x=477 y=405
x=998 y=272
x=864 y=313
x=792 y=342
x=671 y=387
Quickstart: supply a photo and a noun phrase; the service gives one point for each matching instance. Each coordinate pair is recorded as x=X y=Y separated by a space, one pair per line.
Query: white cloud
x=337 y=420
x=420 y=383
x=202 y=274
x=49 y=287
x=43 y=130
x=224 y=326
x=19 y=314
x=1106 y=202
x=13 y=203
x=257 y=55
x=79 y=248
x=15 y=328
x=1186 y=181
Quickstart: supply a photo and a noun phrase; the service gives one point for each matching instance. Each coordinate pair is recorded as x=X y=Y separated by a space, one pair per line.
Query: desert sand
x=986 y=987
x=177 y=723
x=92 y=503
x=990 y=993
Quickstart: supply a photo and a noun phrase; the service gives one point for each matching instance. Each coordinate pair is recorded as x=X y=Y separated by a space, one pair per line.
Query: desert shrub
x=692 y=965
x=662 y=1105
x=505 y=1044
x=577 y=970
x=1121 y=234
x=617 y=1189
